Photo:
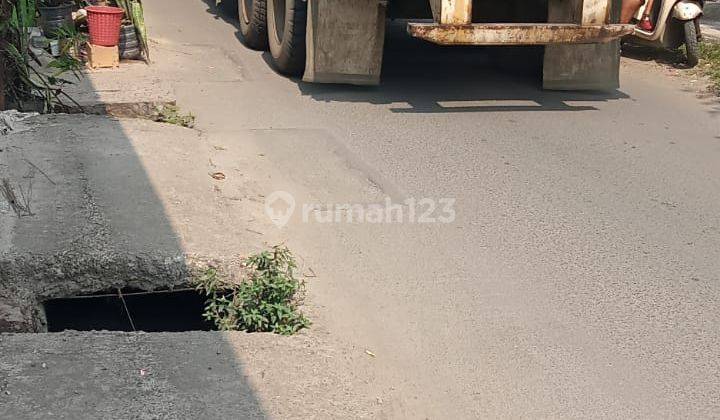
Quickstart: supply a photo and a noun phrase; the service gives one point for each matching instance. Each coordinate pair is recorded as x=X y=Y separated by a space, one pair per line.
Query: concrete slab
x=122 y=202
x=137 y=81
x=183 y=375
x=117 y=203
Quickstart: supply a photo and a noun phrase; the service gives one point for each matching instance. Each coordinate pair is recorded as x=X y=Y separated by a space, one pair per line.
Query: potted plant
x=30 y=88
x=55 y=14
x=71 y=41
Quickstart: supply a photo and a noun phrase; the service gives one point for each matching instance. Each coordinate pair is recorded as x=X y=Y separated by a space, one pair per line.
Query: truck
x=342 y=41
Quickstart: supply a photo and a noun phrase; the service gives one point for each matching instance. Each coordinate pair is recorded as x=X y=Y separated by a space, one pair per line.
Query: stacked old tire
x=129 y=45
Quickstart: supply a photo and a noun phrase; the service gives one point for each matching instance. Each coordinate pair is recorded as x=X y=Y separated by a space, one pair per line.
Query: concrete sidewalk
x=176 y=376
x=127 y=202
x=119 y=203
x=114 y=200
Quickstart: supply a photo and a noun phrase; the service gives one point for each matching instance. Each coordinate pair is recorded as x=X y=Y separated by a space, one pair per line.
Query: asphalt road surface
x=579 y=273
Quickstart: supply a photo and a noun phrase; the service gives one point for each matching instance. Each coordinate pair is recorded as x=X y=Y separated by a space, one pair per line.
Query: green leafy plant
x=265 y=301
x=26 y=84
x=66 y=63
x=171 y=114
x=71 y=41
x=710 y=63
x=26 y=13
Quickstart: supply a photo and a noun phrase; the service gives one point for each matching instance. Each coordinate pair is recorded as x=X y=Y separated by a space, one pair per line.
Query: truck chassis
x=342 y=41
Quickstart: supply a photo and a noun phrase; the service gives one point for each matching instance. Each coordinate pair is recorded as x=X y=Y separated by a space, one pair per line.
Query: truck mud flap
x=583 y=67
x=345 y=41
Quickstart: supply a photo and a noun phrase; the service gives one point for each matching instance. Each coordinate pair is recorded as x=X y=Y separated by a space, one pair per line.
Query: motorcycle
x=677 y=23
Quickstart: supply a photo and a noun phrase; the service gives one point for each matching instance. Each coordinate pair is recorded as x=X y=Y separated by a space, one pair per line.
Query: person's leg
x=629 y=8
x=646 y=23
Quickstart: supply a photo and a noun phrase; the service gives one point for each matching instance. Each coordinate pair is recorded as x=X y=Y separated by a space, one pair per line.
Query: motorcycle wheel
x=692 y=49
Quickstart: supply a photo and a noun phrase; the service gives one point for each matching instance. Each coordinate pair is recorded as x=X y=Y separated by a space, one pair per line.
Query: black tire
x=128 y=32
x=253 y=23
x=130 y=54
x=131 y=43
x=287 y=20
x=128 y=38
x=692 y=49
x=229 y=7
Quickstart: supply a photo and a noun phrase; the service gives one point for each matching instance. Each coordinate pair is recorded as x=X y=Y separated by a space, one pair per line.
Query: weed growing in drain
x=266 y=301
x=171 y=114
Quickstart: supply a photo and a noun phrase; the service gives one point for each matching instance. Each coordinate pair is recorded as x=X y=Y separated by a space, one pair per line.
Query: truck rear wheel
x=253 y=23
x=287 y=20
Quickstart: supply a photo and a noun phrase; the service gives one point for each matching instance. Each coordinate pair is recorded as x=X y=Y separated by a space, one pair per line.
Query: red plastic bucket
x=104 y=25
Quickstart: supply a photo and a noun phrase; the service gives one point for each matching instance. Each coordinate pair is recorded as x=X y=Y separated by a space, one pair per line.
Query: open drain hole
x=159 y=311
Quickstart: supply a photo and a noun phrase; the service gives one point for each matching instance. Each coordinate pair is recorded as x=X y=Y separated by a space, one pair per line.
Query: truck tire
x=287 y=20
x=253 y=23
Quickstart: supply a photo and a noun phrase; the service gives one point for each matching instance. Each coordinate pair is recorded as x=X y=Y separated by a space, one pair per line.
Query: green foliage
x=72 y=41
x=72 y=37
x=66 y=63
x=25 y=13
x=138 y=19
x=710 y=62
x=265 y=301
x=26 y=85
x=171 y=114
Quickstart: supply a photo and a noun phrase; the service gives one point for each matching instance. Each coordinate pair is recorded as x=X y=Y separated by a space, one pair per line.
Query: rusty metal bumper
x=517 y=33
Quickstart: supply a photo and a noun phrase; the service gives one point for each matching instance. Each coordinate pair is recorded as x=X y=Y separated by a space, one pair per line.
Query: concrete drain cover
x=129 y=310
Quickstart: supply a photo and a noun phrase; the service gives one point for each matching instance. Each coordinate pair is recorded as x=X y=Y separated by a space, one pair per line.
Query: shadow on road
x=673 y=58
x=228 y=14
x=425 y=78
